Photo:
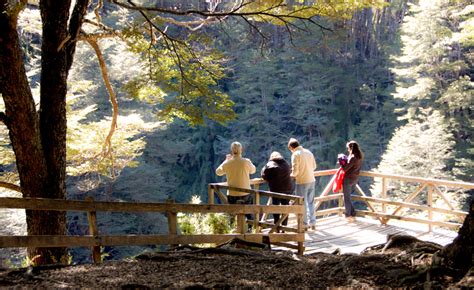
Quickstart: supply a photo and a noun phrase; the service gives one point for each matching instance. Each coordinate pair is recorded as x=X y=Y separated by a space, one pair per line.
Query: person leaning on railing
x=351 y=177
x=277 y=173
x=237 y=171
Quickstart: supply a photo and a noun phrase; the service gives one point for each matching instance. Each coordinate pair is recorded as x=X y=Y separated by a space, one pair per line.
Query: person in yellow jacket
x=303 y=165
x=237 y=171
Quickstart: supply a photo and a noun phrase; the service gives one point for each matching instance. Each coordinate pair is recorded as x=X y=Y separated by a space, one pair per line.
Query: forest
x=149 y=101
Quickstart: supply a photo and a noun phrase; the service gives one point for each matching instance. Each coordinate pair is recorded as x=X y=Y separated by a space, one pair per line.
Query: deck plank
x=336 y=233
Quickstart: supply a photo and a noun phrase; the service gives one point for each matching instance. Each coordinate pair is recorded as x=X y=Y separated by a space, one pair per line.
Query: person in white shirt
x=303 y=165
x=237 y=170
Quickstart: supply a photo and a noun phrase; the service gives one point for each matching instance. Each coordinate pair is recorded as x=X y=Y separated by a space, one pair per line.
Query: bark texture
x=39 y=138
x=459 y=255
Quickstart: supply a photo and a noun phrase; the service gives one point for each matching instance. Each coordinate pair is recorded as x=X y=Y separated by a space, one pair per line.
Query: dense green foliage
x=434 y=80
x=322 y=89
x=404 y=93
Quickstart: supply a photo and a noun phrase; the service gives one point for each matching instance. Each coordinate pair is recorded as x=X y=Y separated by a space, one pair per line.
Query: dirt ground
x=405 y=264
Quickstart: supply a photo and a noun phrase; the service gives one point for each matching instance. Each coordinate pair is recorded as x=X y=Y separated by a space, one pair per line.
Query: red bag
x=337 y=185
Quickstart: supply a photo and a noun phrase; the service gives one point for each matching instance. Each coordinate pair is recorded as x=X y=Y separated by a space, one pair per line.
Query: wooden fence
x=260 y=221
x=95 y=240
x=386 y=208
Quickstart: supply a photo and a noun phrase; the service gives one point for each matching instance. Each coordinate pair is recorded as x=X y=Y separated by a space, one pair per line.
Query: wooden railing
x=385 y=208
x=95 y=240
x=260 y=221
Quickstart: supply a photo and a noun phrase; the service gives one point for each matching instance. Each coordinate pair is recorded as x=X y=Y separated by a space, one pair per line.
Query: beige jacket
x=303 y=165
x=237 y=171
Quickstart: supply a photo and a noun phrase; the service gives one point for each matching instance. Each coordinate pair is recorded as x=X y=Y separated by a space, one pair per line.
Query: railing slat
x=411 y=196
x=410 y=205
x=441 y=194
x=107 y=206
x=409 y=219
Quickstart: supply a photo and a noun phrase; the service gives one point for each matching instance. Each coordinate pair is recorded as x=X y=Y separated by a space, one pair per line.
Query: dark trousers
x=276 y=216
x=246 y=199
x=348 y=187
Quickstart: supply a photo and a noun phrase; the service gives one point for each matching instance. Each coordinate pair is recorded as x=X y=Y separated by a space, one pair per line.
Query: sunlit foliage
x=198 y=223
x=183 y=77
x=434 y=84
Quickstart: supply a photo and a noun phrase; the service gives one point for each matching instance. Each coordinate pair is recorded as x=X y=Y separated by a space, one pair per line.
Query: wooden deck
x=336 y=233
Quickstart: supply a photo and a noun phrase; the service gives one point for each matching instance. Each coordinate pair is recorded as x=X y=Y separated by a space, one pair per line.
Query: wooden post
x=384 y=196
x=384 y=193
x=256 y=216
x=430 y=205
x=265 y=215
x=256 y=186
x=299 y=220
x=172 y=220
x=210 y=194
x=241 y=224
x=93 y=231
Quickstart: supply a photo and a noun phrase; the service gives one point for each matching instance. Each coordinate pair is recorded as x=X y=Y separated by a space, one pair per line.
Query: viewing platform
x=424 y=210
x=336 y=234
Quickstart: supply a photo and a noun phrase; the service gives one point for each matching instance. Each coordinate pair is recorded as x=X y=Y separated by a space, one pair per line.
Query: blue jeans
x=348 y=187
x=306 y=191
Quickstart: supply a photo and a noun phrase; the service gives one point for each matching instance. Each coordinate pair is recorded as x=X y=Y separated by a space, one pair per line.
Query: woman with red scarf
x=351 y=177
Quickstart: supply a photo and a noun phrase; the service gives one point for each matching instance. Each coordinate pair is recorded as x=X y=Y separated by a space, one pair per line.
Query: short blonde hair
x=275 y=155
x=236 y=148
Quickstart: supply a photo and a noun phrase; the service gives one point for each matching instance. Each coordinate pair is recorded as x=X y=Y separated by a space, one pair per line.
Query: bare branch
x=254 y=27
x=97 y=9
x=109 y=32
x=235 y=11
x=75 y=24
x=10 y=186
x=107 y=147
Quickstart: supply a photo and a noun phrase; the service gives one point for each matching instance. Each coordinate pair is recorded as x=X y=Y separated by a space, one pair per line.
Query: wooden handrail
x=95 y=240
x=411 y=205
x=428 y=184
x=110 y=206
x=255 y=191
x=461 y=184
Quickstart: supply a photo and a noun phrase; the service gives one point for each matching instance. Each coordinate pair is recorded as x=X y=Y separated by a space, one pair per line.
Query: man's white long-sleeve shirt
x=303 y=165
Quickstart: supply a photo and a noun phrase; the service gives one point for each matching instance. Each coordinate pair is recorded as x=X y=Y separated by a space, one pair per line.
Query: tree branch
x=107 y=147
x=235 y=11
x=10 y=186
x=75 y=24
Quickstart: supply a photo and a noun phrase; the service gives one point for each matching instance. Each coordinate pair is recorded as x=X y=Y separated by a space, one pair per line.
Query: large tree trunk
x=458 y=256
x=39 y=140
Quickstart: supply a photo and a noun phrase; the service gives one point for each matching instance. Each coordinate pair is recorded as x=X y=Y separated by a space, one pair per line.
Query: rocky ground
x=401 y=263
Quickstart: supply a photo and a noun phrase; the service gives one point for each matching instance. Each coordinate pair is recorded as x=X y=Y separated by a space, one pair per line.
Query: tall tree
x=435 y=95
x=38 y=136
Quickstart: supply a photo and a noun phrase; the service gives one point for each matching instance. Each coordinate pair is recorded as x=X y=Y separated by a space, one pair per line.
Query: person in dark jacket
x=277 y=173
x=351 y=177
